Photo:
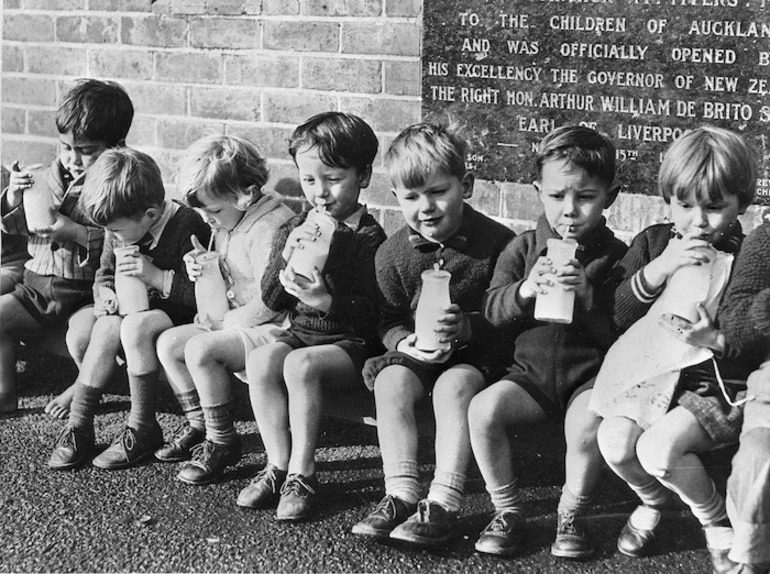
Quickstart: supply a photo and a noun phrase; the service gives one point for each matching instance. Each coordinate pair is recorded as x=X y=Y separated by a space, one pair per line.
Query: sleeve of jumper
x=501 y=303
x=274 y=295
x=12 y=220
x=357 y=303
x=182 y=289
x=633 y=296
x=744 y=312
x=395 y=318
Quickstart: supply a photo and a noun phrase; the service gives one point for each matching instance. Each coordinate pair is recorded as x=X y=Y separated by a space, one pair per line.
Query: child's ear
x=365 y=177
x=612 y=194
x=152 y=213
x=468 y=180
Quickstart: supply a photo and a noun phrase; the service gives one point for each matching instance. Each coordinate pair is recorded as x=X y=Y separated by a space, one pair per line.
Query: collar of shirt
x=353 y=221
x=156 y=229
x=459 y=241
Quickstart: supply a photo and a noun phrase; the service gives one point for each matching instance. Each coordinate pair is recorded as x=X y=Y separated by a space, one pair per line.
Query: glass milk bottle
x=557 y=305
x=39 y=210
x=309 y=254
x=131 y=291
x=210 y=289
x=688 y=286
x=433 y=301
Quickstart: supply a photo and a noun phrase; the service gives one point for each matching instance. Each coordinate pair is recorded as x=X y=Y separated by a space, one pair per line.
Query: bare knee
x=170 y=347
x=300 y=367
x=396 y=387
x=198 y=351
x=657 y=454
x=617 y=438
x=485 y=411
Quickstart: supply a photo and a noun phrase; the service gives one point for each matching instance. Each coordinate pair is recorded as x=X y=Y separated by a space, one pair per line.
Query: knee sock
x=652 y=494
x=712 y=511
x=219 y=424
x=447 y=489
x=85 y=401
x=506 y=497
x=144 y=395
x=191 y=406
x=570 y=502
x=401 y=481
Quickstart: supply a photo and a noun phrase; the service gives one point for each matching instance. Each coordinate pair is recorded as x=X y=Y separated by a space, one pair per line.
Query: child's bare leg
x=269 y=401
x=210 y=358
x=77 y=338
x=14 y=319
x=397 y=390
x=170 y=348
x=667 y=450
x=452 y=396
x=141 y=435
x=491 y=415
x=307 y=372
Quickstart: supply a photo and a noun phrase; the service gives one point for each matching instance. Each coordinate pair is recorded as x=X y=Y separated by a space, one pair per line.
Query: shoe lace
x=66 y=437
x=267 y=475
x=386 y=507
x=127 y=438
x=500 y=522
x=181 y=431
x=202 y=452
x=296 y=485
x=567 y=523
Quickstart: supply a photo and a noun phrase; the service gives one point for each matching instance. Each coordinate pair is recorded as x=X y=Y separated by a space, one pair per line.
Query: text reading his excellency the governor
x=643 y=71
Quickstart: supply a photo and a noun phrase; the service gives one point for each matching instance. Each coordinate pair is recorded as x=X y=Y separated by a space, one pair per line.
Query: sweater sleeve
x=274 y=295
x=633 y=296
x=744 y=312
x=501 y=302
x=182 y=289
x=395 y=319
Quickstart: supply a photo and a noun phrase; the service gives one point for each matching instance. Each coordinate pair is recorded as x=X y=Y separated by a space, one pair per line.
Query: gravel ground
x=143 y=520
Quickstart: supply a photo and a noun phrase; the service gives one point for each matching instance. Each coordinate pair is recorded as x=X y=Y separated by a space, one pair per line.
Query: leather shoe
x=72 y=445
x=209 y=460
x=129 y=448
x=636 y=542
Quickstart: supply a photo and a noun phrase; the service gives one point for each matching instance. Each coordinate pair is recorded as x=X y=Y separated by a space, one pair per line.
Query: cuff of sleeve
x=642 y=289
x=168 y=282
x=759 y=312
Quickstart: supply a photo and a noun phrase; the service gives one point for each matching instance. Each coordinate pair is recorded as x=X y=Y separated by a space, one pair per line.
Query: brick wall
x=255 y=68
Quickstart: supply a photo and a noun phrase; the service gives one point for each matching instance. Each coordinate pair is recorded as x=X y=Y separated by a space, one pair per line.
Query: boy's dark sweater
x=551 y=353
x=744 y=312
x=172 y=245
x=349 y=278
x=469 y=256
x=648 y=245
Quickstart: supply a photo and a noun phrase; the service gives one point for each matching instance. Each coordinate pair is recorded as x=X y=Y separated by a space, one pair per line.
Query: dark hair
x=586 y=148
x=713 y=163
x=420 y=150
x=96 y=110
x=123 y=182
x=343 y=140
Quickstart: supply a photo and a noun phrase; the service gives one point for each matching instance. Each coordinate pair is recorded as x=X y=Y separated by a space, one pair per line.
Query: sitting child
x=331 y=306
x=124 y=194
x=222 y=177
x=64 y=251
x=426 y=165
x=554 y=364
x=673 y=404
x=744 y=320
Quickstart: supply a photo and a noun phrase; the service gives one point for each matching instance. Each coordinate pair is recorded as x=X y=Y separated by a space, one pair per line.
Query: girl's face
x=708 y=220
x=222 y=214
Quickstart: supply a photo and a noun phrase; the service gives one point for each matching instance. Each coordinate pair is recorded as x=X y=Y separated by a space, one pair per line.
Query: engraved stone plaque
x=643 y=71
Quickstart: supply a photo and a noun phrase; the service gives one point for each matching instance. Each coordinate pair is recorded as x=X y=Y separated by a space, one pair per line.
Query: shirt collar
x=156 y=229
x=353 y=221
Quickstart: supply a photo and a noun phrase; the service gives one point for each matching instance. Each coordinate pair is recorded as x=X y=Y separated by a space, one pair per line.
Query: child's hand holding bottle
x=312 y=293
x=678 y=253
x=537 y=280
x=701 y=333
x=20 y=178
x=194 y=269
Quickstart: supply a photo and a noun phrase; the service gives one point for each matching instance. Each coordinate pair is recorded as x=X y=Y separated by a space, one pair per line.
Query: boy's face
x=334 y=189
x=573 y=200
x=77 y=155
x=220 y=213
x=435 y=209
x=707 y=220
x=132 y=229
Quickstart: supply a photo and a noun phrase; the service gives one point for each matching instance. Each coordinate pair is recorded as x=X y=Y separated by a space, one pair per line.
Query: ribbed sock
x=573 y=503
x=191 y=406
x=652 y=494
x=401 y=481
x=506 y=497
x=447 y=489
x=219 y=424
x=85 y=401
x=144 y=397
x=711 y=511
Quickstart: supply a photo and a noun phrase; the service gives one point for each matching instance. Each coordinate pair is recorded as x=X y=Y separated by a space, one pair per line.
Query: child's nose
x=700 y=217
x=427 y=204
